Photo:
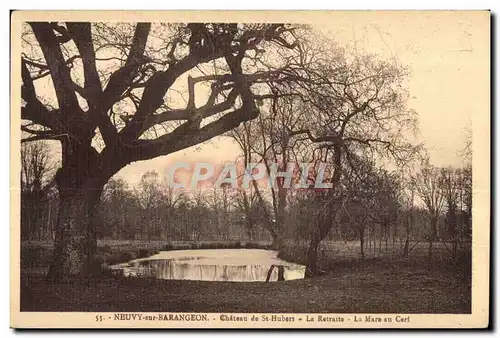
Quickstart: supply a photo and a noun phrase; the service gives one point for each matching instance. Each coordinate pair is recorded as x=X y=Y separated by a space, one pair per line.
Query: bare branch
x=81 y=34
x=68 y=103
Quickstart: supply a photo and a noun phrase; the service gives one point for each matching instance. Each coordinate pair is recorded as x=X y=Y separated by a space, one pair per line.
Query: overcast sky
x=448 y=54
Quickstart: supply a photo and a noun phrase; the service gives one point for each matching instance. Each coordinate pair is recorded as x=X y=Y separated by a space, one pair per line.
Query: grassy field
x=380 y=283
x=36 y=255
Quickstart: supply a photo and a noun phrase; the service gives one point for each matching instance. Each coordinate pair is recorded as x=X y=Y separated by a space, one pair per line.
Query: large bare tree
x=115 y=88
x=359 y=108
x=267 y=140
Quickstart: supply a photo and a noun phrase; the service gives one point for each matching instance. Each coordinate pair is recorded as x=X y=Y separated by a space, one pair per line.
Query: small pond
x=234 y=265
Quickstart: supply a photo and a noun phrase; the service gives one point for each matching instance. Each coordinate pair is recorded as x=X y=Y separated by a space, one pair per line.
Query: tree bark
x=325 y=225
x=80 y=182
x=325 y=221
x=76 y=242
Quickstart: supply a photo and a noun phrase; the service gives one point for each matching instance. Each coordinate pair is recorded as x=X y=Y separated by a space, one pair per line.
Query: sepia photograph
x=273 y=169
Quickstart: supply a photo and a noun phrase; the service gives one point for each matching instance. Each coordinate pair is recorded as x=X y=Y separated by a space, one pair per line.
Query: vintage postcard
x=250 y=169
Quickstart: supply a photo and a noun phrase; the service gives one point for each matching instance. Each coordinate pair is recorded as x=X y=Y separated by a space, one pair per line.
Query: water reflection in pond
x=235 y=265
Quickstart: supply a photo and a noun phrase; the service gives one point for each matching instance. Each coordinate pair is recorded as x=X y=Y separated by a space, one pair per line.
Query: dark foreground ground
x=375 y=285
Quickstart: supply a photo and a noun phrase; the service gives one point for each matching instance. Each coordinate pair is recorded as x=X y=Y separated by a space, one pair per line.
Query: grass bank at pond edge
x=36 y=255
x=350 y=285
x=367 y=289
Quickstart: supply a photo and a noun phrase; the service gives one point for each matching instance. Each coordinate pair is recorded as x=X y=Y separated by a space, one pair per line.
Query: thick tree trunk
x=325 y=221
x=80 y=182
x=324 y=228
x=75 y=242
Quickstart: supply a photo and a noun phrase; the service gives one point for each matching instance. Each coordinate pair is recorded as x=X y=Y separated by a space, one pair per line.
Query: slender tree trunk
x=406 y=248
x=249 y=227
x=362 y=240
x=150 y=225
x=408 y=226
x=380 y=244
x=370 y=239
x=394 y=235
x=433 y=234
x=49 y=228
x=455 y=247
x=386 y=237
x=278 y=242
x=454 y=232
x=312 y=257
x=120 y=231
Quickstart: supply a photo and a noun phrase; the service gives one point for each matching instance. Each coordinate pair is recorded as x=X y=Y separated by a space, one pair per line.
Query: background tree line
x=383 y=211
